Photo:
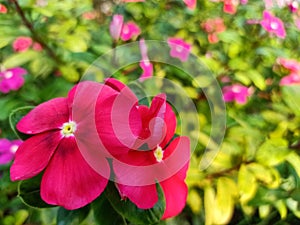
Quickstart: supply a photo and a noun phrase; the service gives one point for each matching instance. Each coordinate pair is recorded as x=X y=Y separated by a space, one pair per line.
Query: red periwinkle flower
x=64 y=139
x=191 y=4
x=236 y=92
x=155 y=158
x=179 y=48
x=3 y=9
x=273 y=25
x=129 y=30
x=12 y=79
x=22 y=44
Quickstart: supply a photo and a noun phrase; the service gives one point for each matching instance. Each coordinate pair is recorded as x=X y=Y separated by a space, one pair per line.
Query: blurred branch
x=35 y=35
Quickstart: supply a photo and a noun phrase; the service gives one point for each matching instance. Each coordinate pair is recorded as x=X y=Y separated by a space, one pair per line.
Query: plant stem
x=35 y=35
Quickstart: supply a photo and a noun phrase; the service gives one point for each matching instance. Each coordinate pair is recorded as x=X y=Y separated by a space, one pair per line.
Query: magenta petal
x=175 y=191
x=46 y=116
x=33 y=155
x=118 y=121
x=144 y=197
x=68 y=180
x=170 y=122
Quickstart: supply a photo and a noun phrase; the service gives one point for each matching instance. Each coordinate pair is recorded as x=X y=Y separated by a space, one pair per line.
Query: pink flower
x=22 y=44
x=64 y=141
x=155 y=158
x=115 y=26
x=119 y=29
x=12 y=79
x=91 y=15
x=129 y=30
x=273 y=25
x=191 y=4
x=268 y=4
x=213 y=27
x=179 y=48
x=290 y=64
x=145 y=64
x=293 y=66
x=8 y=149
x=291 y=79
x=297 y=22
x=37 y=46
x=236 y=92
x=3 y=9
x=230 y=6
x=294 y=5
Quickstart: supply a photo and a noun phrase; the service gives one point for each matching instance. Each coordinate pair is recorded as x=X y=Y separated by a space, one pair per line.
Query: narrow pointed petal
x=46 y=116
x=33 y=155
x=68 y=180
x=175 y=191
x=144 y=197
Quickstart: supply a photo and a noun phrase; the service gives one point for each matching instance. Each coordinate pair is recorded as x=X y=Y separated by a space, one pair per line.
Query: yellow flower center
x=159 y=154
x=68 y=129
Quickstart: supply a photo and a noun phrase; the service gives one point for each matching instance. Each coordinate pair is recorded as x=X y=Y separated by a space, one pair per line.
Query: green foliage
x=131 y=212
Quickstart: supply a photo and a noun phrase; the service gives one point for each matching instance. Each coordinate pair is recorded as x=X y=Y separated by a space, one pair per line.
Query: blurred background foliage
x=254 y=179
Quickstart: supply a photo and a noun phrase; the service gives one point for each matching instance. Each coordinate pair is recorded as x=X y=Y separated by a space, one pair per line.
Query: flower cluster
x=125 y=31
x=72 y=139
x=213 y=27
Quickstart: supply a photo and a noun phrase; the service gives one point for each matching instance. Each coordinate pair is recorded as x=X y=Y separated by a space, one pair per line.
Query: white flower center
x=14 y=148
x=8 y=74
x=68 y=129
x=274 y=25
x=158 y=154
x=236 y=89
x=179 y=48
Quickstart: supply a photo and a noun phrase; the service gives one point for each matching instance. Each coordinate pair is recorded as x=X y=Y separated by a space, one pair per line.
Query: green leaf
x=257 y=79
x=104 y=213
x=72 y=217
x=75 y=44
x=247 y=184
x=29 y=192
x=272 y=152
x=131 y=212
x=224 y=202
x=69 y=73
x=19 y=59
x=15 y=117
x=291 y=96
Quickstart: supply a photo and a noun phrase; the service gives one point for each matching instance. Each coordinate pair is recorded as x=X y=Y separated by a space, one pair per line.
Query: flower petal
x=118 y=120
x=138 y=195
x=46 y=116
x=68 y=180
x=175 y=191
x=33 y=155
